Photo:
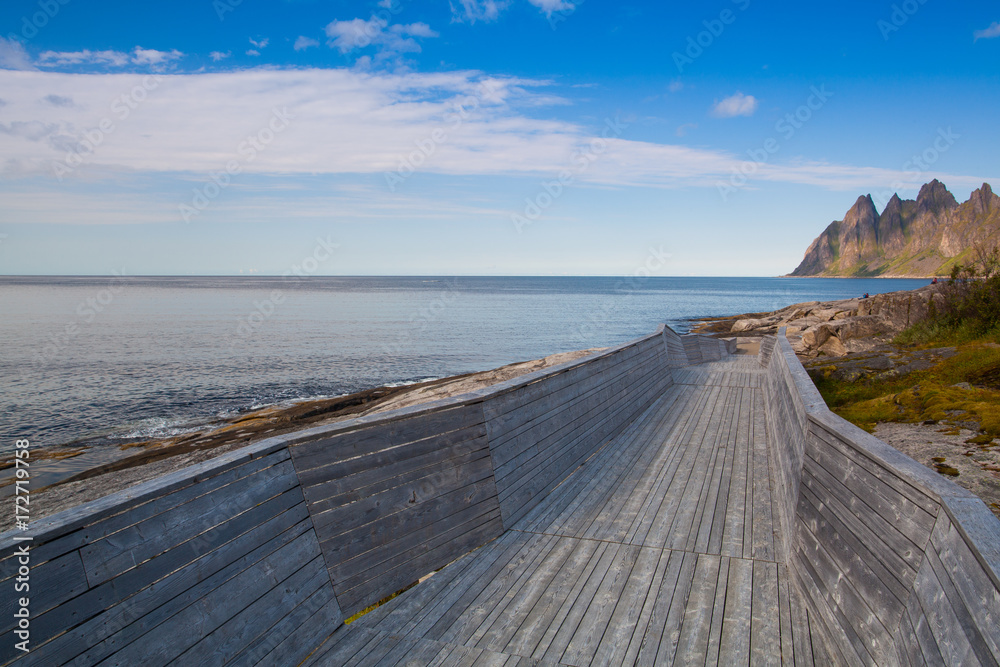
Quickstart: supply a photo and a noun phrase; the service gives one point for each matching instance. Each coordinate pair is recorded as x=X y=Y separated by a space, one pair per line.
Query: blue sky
x=526 y=137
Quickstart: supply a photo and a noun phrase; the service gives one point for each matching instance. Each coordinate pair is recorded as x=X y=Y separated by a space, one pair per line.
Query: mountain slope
x=921 y=237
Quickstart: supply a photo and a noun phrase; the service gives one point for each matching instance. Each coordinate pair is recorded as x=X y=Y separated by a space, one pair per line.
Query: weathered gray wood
x=402 y=557
x=48 y=532
x=50 y=585
x=734 y=645
x=974 y=591
x=339 y=448
x=181 y=631
x=596 y=371
x=445 y=479
x=104 y=632
x=225 y=642
x=471 y=506
x=532 y=629
x=847 y=609
x=123 y=550
x=765 y=630
x=373 y=590
x=587 y=638
x=79 y=526
x=697 y=626
x=568 y=424
x=879 y=488
x=297 y=635
x=363 y=476
x=884 y=577
x=505 y=619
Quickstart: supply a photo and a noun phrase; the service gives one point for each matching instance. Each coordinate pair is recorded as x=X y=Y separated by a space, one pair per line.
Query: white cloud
x=735 y=105
x=85 y=57
x=988 y=33
x=253 y=52
x=354 y=34
x=470 y=11
x=676 y=86
x=219 y=55
x=347 y=36
x=552 y=6
x=303 y=43
x=13 y=55
x=139 y=56
x=344 y=121
x=261 y=44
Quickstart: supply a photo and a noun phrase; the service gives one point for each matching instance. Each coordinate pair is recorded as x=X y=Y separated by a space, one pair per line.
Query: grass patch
x=925 y=396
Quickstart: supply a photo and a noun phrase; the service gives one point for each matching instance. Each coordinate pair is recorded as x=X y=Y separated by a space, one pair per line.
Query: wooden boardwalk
x=663 y=548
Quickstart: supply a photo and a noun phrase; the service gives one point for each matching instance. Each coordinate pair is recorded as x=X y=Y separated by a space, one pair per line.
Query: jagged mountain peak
x=910 y=237
x=934 y=197
x=983 y=200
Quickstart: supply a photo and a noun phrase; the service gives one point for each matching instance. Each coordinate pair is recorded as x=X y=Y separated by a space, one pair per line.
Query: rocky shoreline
x=832 y=328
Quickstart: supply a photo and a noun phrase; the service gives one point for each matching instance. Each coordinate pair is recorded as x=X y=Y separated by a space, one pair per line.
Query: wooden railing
x=259 y=554
x=899 y=563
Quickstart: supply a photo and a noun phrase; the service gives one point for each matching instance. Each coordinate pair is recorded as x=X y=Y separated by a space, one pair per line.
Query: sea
x=102 y=361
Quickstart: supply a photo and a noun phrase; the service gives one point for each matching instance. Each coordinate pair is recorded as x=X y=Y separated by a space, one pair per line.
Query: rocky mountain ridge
x=910 y=238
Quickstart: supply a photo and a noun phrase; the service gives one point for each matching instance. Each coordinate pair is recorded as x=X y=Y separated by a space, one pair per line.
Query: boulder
x=901 y=309
x=744 y=325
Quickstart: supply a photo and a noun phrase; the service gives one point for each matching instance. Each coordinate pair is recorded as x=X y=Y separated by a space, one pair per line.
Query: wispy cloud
x=141 y=56
x=13 y=55
x=362 y=124
x=987 y=33
x=548 y=7
x=735 y=105
x=389 y=41
x=471 y=11
x=219 y=55
x=138 y=56
x=303 y=43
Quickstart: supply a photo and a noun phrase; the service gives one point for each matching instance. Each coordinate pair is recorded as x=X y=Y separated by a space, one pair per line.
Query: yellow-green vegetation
x=962 y=388
x=927 y=396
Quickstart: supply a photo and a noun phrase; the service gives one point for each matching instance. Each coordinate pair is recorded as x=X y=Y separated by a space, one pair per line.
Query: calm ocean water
x=106 y=359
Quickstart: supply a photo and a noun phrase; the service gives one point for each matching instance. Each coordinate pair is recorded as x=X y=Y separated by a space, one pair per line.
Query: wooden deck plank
x=697 y=625
x=590 y=632
x=765 y=627
x=560 y=643
x=718 y=613
x=735 y=637
x=660 y=641
x=542 y=614
x=659 y=548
